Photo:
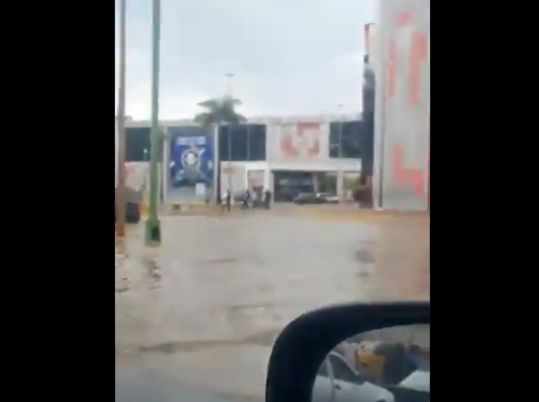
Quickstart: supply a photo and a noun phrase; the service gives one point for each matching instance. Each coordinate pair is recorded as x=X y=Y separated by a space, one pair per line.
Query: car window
x=341 y=370
x=419 y=380
x=323 y=370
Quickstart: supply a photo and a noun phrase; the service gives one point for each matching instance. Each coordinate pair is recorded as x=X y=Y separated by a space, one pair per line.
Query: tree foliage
x=219 y=111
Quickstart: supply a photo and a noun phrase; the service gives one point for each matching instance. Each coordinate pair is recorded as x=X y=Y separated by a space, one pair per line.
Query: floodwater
x=205 y=308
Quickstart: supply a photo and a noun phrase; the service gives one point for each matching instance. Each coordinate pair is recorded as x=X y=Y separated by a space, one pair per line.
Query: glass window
x=345 y=139
x=351 y=136
x=137 y=141
x=238 y=139
x=336 y=130
x=341 y=370
x=333 y=151
x=334 y=133
x=242 y=142
x=323 y=370
x=257 y=142
x=224 y=143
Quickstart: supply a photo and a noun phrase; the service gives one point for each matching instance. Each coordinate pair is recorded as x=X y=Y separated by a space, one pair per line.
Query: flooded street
x=204 y=309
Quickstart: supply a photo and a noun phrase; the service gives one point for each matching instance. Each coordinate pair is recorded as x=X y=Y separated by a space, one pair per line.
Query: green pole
x=153 y=226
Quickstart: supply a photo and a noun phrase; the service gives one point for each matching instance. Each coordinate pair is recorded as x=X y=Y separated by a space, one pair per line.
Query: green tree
x=219 y=111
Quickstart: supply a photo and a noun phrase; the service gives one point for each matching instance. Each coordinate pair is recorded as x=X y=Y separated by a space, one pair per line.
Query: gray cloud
x=289 y=57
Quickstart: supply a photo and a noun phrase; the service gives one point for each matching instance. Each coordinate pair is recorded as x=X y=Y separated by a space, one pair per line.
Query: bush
x=363 y=196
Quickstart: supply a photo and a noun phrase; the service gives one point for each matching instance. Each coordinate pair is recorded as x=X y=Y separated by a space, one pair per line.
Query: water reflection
x=206 y=306
x=391 y=364
x=402 y=259
x=153 y=271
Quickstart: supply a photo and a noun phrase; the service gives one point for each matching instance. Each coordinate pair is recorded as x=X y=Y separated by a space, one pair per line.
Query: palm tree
x=219 y=110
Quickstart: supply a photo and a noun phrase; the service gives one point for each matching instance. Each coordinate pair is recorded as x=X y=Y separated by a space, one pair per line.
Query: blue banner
x=191 y=164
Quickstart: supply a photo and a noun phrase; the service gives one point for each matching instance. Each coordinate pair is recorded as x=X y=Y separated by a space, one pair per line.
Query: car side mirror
x=305 y=342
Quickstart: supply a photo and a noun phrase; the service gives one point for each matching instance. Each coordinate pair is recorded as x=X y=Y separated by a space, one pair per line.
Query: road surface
x=205 y=308
x=134 y=385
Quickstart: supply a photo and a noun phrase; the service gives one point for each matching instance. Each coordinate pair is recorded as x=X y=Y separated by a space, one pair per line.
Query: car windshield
x=231 y=117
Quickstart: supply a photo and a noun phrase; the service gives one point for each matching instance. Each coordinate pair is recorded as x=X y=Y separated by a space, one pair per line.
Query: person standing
x=266 y=198
x=228 y=200
x=246 y=199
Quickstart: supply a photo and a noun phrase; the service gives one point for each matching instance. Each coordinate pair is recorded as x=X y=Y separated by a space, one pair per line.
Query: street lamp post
x=229 y=77
x=153 y=225
x=120 y=121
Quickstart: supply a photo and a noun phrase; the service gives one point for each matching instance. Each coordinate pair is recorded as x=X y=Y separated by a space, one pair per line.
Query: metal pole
x=153 y=226
x=340 y=130
x=229 y=151
x=340 y=185
x=229 y=77
x=120 y=188
x=228 y=93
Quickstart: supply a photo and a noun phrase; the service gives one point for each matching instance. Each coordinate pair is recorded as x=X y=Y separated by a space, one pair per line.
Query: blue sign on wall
x=191 y=164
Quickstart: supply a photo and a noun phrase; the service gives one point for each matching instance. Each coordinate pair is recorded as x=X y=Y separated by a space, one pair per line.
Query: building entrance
x=288 y=184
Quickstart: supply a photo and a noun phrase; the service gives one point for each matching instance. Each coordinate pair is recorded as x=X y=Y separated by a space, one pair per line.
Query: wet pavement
x=204 y=309
x=134 y=385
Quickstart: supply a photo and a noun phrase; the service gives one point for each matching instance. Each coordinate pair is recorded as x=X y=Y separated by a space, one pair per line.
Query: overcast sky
x=288 y=56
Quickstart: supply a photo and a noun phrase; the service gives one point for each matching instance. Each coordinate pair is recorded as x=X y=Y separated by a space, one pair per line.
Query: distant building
x=284 y=154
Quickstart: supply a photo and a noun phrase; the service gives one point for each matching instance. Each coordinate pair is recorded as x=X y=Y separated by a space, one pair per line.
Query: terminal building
x=286 y=155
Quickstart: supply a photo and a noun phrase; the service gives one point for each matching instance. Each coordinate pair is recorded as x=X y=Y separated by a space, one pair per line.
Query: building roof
x=270 y=120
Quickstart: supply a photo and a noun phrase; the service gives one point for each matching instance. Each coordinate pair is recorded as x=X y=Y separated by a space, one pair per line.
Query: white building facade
x=292 y=144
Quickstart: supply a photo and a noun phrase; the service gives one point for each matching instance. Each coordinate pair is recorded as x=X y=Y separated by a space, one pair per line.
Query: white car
x=419 y=380
x=338 y=382
x=330 y=198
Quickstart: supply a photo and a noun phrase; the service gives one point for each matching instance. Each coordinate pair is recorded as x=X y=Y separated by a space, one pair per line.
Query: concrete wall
x=402 y=69
x=241 y=175
x=137 y=175
x=137 y=180
x=292 y=143
x=303 y=144
x=233 y=176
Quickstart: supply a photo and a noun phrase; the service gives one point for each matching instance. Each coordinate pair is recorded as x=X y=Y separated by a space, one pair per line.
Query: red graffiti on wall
x=428 y=170
x=418 y=55
x=302 y=139
x=129 y=170
x=403 y=175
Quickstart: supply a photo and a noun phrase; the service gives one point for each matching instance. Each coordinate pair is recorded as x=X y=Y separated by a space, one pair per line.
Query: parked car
x=414 y=388
x=330 y=198
x=238 y=196
x=308 y=198
x=338 y=381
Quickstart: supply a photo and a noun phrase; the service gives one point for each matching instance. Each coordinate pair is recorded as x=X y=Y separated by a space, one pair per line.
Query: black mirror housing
x=305 y=342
